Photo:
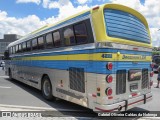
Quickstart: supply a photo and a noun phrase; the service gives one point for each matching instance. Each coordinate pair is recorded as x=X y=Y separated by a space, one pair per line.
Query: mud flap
x=126 y=105
x=144 y=98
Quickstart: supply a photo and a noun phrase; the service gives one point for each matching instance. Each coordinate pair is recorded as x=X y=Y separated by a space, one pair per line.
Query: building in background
x=8 y=38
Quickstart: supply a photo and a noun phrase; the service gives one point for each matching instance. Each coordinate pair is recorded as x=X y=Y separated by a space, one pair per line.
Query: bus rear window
x=124 y=25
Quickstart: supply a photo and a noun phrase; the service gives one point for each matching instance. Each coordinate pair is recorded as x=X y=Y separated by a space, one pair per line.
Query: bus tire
x=47 y=88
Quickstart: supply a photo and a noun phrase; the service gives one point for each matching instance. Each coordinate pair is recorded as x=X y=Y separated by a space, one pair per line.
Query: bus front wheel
x=47 y=88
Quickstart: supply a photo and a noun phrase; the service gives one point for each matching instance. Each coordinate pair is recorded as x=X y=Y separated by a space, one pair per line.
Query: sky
x=24 y=16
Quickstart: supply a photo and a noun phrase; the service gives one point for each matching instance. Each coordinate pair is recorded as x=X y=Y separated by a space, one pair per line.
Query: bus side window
x=80 y=33
x=13 y=49
x=69 y=38
x=10 y=50
x=17 y=49
x=40 y=42
x=24 y=46
x=20 y=47
x=28 y=45
x=49 y=40
x=34 y=44
x=57 y=39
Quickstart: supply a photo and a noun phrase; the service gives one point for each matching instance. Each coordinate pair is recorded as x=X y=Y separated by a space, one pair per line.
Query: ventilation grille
x=121 y=82
x=145 y=79
x=77 y=80
x=124 y=25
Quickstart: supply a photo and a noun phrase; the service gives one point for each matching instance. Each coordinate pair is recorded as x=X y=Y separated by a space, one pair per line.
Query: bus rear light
x=152 y=65
x=109 y=78
x=109 y=66
x=134 y=94
x=108 y=91
x=151 y=74
x=95 y=8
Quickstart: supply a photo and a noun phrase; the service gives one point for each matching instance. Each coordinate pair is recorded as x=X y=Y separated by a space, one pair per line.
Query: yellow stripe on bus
x=92 y=57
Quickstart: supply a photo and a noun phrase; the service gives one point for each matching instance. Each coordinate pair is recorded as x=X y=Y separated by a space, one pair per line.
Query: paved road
x=18 y=96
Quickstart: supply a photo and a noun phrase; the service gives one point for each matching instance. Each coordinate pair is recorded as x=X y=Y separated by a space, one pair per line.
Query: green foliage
x=155 y=52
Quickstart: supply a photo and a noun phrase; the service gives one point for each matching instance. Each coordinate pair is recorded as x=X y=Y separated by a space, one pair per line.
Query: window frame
x=87 y=41
x=70 y=26
x=36 y=45
x=28 y=49
x=17 y=48
x=59 y=39
x=20 y=50
x=51 y=45
x=24 y=50
x=39 y=46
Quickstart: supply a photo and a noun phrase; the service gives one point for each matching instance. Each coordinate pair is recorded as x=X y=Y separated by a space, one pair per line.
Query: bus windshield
x=120 y=24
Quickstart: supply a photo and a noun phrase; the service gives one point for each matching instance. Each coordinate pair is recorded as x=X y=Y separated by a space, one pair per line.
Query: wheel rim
x=46 y=88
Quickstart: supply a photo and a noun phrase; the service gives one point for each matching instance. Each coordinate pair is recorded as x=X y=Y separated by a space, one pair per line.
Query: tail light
x=152 y=65
x=151 y=74
x=95 y=8
x=109 y=66
x=108 y=91
x=109 y=78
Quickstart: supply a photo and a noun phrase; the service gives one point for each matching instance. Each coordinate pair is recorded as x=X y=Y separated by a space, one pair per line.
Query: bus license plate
x=133 y=87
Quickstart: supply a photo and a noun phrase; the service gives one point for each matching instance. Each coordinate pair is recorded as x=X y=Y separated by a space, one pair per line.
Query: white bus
x=99 y=59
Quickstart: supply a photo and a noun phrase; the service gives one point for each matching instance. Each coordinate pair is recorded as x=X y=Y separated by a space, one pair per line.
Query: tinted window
x=80 y=33
x=40 y=43
x=49 y=40
x=24 y=46
x=34 y=44
x=28 y=45
x=69 y=36
x=57 y=39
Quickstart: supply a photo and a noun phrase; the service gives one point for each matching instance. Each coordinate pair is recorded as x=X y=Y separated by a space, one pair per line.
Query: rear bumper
x=124 y=105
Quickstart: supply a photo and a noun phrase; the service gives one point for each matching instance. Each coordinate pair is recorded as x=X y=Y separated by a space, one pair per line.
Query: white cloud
x=29 y=1
x=65 y=7
x=23 y=26
x=151 y=10
x=155 y=34
x=82 y=1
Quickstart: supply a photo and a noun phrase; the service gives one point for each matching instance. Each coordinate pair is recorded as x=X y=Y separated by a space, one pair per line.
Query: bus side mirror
x=6 y=55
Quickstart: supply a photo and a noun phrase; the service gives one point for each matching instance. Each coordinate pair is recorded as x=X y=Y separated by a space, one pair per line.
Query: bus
x=99 y=58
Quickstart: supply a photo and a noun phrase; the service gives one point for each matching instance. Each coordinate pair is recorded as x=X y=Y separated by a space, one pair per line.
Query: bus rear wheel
x=47 y=88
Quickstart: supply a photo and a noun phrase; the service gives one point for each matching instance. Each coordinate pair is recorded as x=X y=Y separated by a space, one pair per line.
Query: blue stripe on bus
x=89 y=66
x=90 y=52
